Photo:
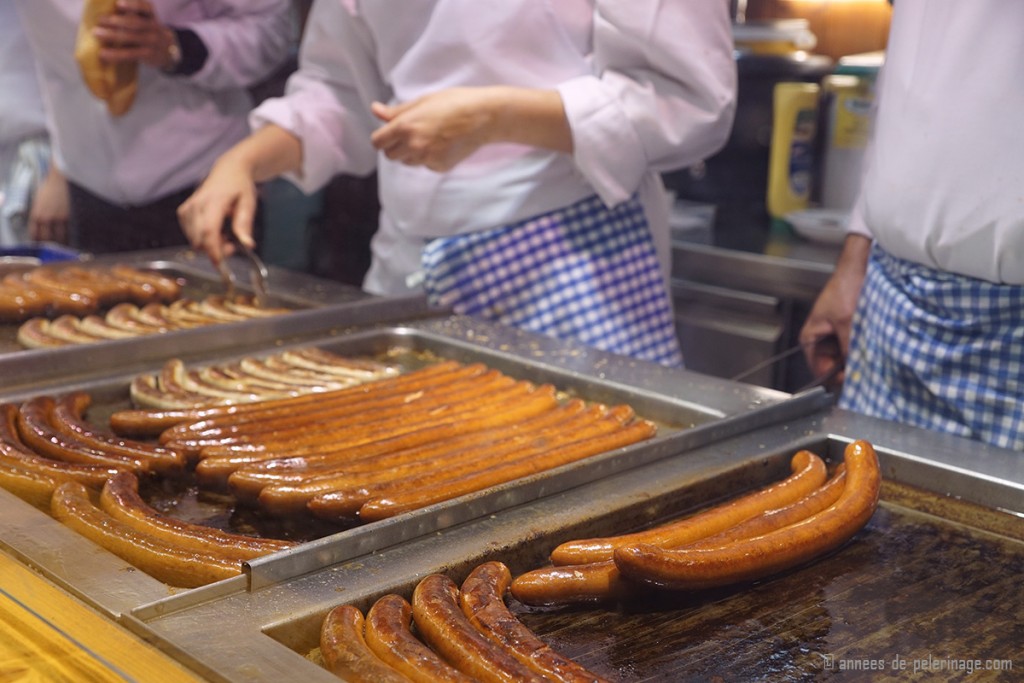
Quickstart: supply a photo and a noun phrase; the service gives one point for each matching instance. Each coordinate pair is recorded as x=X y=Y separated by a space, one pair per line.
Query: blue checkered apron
x=586 y=272
x=938 y=350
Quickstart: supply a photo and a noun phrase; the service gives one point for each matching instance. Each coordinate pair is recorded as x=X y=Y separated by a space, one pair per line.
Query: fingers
x=131 y=33
x=202 y=219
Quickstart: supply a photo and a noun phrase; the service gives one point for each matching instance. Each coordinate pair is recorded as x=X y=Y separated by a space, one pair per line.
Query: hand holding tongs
x=826 y=381
x=258 y=273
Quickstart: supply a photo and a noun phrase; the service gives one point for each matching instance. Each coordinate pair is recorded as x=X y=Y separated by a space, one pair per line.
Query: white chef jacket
x=178 y=125
x=647 y=85
x=944 y=178
x=21 y=106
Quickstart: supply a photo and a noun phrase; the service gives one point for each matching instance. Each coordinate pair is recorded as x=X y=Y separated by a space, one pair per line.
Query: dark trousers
x=98 y=226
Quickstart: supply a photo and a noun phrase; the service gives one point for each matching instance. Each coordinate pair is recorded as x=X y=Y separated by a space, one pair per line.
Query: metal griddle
x=934 y=575
x=691 y=410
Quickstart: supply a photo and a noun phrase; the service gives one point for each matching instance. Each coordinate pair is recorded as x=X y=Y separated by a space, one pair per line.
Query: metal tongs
x=258 y=273
x=825 y=381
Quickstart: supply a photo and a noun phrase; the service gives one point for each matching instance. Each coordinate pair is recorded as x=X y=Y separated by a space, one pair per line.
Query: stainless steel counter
x=273 y=629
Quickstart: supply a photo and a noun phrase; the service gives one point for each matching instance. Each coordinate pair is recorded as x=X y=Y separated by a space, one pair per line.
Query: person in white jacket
x=927 y=299
x=517 y=145
x=128 y=174
x=33 y=195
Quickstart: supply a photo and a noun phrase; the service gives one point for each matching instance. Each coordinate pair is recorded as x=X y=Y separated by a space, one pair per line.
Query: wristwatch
x=173 y=53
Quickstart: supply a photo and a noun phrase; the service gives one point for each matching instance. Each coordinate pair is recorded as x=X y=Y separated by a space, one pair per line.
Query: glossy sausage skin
x=483 y=603
x=154 y=422
x=404 y=501
x=809 y=472
x=770 y=553
x=602 y=581
x=36 y=430
x=120 y=499
x=173 y=565
x=389 y=635
x=496 y=441
x=35 y=488
x=15 y=453
x=441 y=623
x=68 y=420
x=345 y=653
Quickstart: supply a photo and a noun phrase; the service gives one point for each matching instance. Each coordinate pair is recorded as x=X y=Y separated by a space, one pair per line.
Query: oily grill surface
x=932 y=588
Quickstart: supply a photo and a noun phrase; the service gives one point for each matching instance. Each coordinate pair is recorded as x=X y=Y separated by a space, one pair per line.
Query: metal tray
x=931 y=582
x=288 y=289
x=692 y=409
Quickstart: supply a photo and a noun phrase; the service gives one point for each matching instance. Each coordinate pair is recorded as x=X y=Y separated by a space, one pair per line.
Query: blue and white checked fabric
x=586 y=272
x=938 y=350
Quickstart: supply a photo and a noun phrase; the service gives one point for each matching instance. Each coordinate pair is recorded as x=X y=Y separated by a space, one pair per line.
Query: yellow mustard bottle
x=791 y=153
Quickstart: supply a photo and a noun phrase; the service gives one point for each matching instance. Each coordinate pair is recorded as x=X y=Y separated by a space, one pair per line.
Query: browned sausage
x=602 y=581
x=397 y=502
x=374 y=476
x=483 y=603
x=67 y=419
x=441 y=623
x=389 y=635
x=343 y=647
x=522 y=399
x=351 y=416
x=146 y=286
x=36 y=430
x=770 y=553
x=154 y=422
x=19 y=302
x=35 y=488
x=809 y=474
x=15 y=453
x=121 y=500
x=187 y=569
x=310 y=473
x=233 y=417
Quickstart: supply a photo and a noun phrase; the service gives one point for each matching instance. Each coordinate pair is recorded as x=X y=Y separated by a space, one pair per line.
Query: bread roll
x=113 y=83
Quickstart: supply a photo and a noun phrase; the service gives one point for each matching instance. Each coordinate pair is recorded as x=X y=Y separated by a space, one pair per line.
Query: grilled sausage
x=389 y=636
x=365 y=415
x=36 y=430
x=422 y=446
x=67 y=419
x=343 y=647
x=483 y=602
x=770 y=553
x=233 y=417
x=35 y=488
x=809 y=473
x=121 y=500
x=173 y=565
x=441 y=623
x=413 y=499
x=15 y=453
x=146 y=286
x=381 y=474
x=603 y=582
x=522 y=399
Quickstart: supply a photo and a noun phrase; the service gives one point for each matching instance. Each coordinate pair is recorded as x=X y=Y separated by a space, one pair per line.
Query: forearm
x=266 y=154
x=530 y=116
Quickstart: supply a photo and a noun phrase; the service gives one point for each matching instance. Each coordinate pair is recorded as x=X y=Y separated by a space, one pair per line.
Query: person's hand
x=48 y=217
x=830 y=321
x=229 y=192
x=437 y=130
x=133 y=33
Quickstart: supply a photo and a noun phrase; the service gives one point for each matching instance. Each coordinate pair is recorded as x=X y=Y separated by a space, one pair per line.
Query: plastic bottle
x=791 y=154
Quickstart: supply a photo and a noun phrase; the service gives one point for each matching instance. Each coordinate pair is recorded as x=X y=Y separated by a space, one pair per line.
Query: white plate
x=820 y=225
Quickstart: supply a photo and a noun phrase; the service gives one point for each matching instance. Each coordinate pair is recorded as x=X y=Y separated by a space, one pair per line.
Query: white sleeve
x=662 y=95
x=245 y=39
x=327 y=100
